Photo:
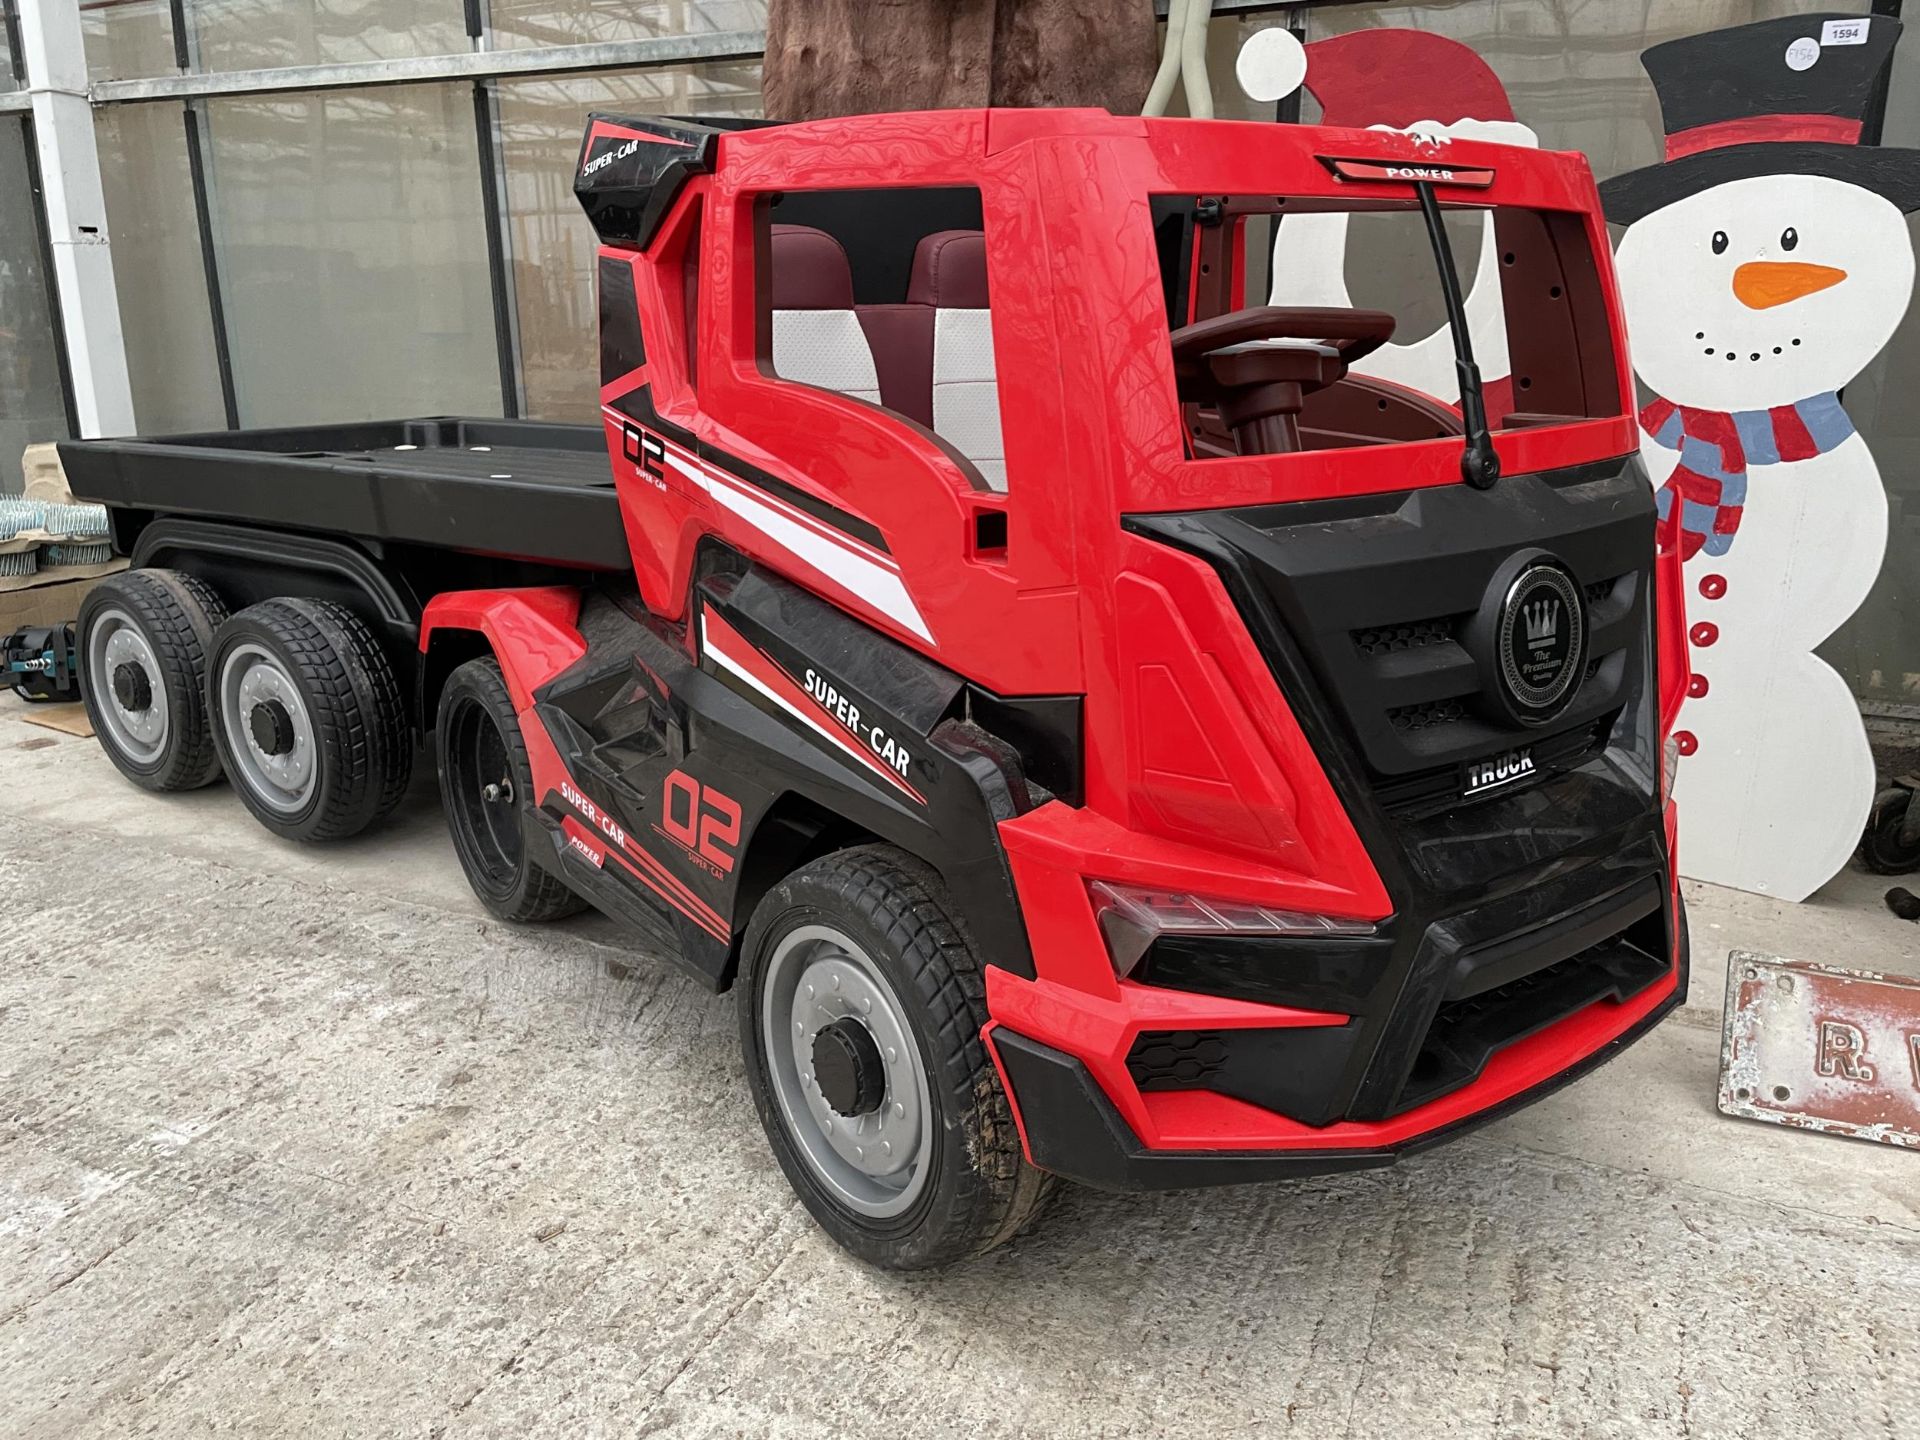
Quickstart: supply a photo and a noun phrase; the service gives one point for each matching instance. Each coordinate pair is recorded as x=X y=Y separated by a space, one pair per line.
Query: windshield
x=1309 y=324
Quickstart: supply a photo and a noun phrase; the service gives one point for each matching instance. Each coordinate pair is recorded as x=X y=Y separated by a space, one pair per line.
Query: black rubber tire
x=981 y=1192
x=363 y=744
x=513 y=887
x=178 y=615
x=1881 y=849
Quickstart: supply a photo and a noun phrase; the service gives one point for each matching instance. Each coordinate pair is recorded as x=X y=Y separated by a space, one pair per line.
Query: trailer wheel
x=860 y=1017
x=486 y=781
x=144 y=639
x=308 y=719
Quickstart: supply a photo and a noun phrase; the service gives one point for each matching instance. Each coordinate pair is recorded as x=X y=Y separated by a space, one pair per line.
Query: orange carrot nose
x=1762 y=284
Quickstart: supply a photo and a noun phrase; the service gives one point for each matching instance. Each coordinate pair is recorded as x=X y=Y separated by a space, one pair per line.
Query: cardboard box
x=42 y=604
x=45 y=479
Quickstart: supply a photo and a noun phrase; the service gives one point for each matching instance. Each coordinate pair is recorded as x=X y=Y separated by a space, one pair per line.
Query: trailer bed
x=527 y=489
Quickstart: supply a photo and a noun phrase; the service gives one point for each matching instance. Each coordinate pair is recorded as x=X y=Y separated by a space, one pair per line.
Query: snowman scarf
x=1700 y=504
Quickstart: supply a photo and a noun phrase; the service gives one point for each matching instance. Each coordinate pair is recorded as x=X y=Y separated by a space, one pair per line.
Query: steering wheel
x=1231 y=362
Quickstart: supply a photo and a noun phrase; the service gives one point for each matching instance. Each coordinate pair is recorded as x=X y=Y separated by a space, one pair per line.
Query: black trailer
x=395 y=510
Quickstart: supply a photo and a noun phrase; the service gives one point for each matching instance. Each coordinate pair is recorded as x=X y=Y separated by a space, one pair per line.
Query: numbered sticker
x=701 y=821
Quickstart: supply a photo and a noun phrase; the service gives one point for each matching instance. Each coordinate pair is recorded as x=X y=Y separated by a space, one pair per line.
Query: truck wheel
x=485 y=781
x=308 y=719
x=860 y=1017
x=144 y=638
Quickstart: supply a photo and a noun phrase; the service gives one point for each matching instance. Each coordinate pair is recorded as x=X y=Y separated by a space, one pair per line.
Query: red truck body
x=1271 y=859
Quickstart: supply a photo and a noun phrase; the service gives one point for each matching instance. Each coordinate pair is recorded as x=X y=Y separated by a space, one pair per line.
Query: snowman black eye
x=1789 y=238
x=1719 y=242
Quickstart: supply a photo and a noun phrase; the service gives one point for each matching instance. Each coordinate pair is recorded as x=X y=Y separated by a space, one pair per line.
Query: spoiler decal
x=1408 y=172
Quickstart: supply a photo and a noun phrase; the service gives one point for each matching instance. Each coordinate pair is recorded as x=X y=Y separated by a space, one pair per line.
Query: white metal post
x=56 y=64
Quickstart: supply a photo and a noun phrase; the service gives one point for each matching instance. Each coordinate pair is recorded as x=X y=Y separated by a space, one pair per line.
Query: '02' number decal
x=701 y=821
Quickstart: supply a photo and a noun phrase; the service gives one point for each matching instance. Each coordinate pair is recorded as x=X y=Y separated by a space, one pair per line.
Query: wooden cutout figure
x=1765 y=263
x=854 y=57
x=1440 y=90
x=1184 y=59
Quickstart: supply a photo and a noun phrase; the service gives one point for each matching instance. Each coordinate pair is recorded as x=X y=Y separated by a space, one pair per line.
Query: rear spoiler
x=631 y=169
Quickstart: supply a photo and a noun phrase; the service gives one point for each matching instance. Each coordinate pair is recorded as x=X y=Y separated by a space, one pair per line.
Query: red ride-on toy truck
x=1097 y=730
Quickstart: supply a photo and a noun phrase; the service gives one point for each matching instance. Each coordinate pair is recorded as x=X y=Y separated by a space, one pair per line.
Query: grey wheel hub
x=268 y=730
x=133 y=705
x=846 y=1074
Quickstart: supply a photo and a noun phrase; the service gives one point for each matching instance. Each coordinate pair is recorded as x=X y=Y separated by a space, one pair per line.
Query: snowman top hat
x=1778 y=97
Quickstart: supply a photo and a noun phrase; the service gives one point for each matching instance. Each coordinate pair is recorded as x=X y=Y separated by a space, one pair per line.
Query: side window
x=881 y=295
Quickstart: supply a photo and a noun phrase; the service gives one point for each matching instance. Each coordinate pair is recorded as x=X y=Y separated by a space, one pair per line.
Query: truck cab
x=1102 y=727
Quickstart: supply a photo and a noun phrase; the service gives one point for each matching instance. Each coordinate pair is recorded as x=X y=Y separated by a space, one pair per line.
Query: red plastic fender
x=533 y=632
x=535 y=636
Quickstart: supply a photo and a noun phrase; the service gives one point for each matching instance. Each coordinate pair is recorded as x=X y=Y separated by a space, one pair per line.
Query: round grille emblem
x=1541 y=641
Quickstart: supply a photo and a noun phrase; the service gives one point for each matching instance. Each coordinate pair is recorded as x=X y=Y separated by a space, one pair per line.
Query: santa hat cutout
x=1399 y=78
x=1778 y=97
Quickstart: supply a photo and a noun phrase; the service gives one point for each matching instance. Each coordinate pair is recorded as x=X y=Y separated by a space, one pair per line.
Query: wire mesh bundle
x=79 y=522
x=70 y=554
x=18 y=516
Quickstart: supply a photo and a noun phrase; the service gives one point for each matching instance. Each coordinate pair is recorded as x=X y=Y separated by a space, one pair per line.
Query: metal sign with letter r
x=1822 y=1048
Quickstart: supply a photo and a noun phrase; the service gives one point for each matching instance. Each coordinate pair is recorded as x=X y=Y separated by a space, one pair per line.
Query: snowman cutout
x=1765 y=263
x=1437 y=90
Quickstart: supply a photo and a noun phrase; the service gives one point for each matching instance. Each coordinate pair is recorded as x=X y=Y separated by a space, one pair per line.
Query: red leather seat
x=929 y=358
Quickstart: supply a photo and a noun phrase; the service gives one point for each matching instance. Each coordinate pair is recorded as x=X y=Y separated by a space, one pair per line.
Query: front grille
x=1378 y=594
x=1425 y=717
x=1414 y=635
x=1428 y=656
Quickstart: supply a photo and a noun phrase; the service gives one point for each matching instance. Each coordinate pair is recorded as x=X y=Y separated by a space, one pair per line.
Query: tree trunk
x=851 y=57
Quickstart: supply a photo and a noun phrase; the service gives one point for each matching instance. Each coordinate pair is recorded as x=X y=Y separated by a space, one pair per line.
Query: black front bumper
x=1073 y=1129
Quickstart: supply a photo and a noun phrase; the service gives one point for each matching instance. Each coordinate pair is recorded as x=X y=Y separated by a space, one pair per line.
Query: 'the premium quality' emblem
x=1541 y=642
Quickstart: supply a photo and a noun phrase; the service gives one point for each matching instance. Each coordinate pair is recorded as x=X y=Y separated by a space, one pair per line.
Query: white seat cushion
x=826 y=348
x=966 y=397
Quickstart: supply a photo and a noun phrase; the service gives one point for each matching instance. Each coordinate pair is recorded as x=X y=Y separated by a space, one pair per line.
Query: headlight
x=1132 y=917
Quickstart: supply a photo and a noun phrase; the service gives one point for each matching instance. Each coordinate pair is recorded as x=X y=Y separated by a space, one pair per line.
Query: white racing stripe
x=874 y=583
x=715 y=653
x=874 y=578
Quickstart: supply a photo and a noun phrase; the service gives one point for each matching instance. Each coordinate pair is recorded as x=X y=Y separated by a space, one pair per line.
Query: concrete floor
x=300 y=1142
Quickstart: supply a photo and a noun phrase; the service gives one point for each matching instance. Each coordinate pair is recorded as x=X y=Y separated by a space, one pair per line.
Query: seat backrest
x=817 y=337
x=950 y=275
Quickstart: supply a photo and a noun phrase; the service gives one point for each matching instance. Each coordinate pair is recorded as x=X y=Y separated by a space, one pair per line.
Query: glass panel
x=8 y=80
x=552 y=245
x=352 y=255
x=576 y=22
x=127 y=39
x=158 y=268
x=265 y=34
x=32 y=406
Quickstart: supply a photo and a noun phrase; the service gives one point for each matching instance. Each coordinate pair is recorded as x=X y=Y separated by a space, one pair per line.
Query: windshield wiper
x=1479 y=464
